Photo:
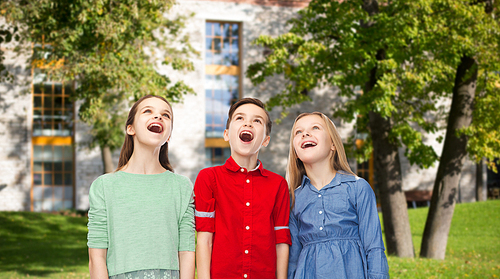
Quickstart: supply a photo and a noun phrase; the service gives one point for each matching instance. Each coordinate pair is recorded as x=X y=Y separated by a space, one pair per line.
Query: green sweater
x=143 y=220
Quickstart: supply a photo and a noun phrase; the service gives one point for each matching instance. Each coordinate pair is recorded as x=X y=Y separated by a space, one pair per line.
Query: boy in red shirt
x=242 y=209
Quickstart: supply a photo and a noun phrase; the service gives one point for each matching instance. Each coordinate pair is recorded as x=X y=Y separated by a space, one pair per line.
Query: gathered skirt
x=148 y=274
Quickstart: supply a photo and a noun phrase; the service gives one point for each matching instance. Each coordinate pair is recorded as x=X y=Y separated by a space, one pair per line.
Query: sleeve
x=370 y=231
x=295 y=248
x=186 y=225
x=281 y=213
x=204 y=201
x=98 y=223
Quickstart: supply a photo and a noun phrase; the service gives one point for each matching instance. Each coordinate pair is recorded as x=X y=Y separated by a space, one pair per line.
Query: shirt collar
x=340 y=177
x=234 y=167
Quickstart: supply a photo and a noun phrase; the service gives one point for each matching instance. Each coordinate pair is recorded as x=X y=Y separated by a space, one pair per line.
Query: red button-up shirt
x=248 y=213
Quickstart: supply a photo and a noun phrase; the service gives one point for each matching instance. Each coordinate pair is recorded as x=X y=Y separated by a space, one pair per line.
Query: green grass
x=42 y=245
x=473 y=249
x=53 y=246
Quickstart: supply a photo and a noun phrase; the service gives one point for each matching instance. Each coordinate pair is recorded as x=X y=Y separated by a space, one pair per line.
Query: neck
x=247 y=162
x=320 y=173
x=144 y=161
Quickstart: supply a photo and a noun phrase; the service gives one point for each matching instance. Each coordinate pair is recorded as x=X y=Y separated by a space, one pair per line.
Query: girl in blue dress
x=334 y=220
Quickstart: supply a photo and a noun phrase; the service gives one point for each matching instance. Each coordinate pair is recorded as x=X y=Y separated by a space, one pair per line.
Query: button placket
x=247 y=220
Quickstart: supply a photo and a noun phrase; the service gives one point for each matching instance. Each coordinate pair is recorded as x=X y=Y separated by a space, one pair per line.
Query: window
x=53 y=151
x=52 y=177
x=222 y=85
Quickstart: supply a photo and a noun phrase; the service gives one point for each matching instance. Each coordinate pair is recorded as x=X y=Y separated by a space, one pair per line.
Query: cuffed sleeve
x=295 y=248
x=370 y=231
x=186 y=225
x=204 y=202
x=281 y=213
x=98 y=222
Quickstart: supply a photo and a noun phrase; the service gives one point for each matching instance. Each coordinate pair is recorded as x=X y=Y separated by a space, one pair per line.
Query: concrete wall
x=15 y=134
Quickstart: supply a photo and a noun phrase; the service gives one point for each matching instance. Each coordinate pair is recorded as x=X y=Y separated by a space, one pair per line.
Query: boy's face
x=247 y=131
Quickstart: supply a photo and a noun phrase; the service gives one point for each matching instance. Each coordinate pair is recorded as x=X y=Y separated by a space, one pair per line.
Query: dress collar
x=340 y=177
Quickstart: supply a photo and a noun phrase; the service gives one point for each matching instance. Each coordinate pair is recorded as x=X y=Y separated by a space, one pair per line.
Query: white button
x=320 y=212
x=247 y=227
x=242 y=170
x=248 y=204
x=319 y=196
x=244 y=275
x=246 y=251
x=320 y=228
x=248 y=180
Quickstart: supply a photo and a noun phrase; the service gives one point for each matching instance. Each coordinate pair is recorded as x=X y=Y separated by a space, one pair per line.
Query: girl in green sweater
x=141 y=217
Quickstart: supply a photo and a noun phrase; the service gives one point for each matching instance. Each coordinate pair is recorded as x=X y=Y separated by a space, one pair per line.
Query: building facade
x=45 y=164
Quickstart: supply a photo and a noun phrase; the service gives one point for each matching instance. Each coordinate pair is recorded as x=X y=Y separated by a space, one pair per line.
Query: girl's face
x=311 y=140
x=152 y=124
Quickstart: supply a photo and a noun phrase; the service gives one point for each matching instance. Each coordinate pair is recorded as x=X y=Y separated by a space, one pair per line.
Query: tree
x=110 y=49
x=393 y=50
x=476 y=48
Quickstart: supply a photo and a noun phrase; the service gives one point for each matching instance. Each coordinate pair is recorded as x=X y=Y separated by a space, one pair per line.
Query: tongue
x=246 y=137
x=155 y=129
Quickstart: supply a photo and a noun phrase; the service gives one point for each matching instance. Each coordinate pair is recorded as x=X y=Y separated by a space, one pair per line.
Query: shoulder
x=359 y=185
x=180 y=180
x=105 y=179
x=273 y=178
x=209 y=171
x=272 y=175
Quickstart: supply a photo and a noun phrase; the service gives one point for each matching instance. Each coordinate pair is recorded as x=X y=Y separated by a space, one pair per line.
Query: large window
x=222 y=85
x=52 y=139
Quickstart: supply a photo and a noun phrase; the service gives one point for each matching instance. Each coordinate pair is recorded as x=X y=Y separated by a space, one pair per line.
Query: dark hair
x=253 y=101
x=128 y=144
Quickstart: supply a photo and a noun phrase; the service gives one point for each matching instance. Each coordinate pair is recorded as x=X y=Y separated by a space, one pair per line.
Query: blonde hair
x=295 y=169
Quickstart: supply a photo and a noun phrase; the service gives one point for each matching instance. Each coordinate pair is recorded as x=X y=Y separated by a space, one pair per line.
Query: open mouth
x=155 y=128
x=308 y=144
x=246 y=136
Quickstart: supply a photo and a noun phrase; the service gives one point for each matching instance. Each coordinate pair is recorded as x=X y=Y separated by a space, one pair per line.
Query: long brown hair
x=295 y=169
x=128 y=144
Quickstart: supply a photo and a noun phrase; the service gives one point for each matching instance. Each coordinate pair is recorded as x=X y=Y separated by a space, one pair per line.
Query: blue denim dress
x=336 y=231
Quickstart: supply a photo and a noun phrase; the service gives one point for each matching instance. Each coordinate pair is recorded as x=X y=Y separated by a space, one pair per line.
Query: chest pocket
x=337 y=202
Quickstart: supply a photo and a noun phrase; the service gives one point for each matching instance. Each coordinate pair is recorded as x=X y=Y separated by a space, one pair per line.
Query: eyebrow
x=167 y=110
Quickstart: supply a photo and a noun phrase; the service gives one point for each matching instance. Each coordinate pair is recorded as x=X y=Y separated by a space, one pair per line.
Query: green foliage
x=111 y=49
x=411 y=48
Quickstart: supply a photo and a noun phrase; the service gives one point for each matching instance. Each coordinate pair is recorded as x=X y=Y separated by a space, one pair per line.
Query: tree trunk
x=398 y=240
x=107 y=159
x=454 y=153
x=481 y=181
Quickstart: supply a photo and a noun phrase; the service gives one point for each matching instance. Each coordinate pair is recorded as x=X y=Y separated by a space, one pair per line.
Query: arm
x=186 y=265
x=296 y=246
x=187 y=239
x=370 y=231
x=205 y=221
x=204 y=254
x=282 y=260
x=98 y=231
x=97 y=263
x=281 y=213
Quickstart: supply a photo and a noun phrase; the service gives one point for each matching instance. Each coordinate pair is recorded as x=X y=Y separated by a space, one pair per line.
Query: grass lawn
x=53 y=246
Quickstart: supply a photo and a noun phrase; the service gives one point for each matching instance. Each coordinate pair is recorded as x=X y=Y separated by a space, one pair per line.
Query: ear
x=130 y=130
x=333 y=147
x=226 y=135
x=266 y=141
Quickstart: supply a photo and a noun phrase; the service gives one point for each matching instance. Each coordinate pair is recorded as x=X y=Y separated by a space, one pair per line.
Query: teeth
x=308 y=144
x=246 y=136
x=156 y=128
